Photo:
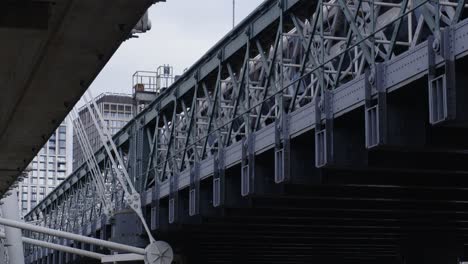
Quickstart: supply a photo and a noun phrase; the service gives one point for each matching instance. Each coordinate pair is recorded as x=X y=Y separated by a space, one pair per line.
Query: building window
x=61 y=166
x=62 y=151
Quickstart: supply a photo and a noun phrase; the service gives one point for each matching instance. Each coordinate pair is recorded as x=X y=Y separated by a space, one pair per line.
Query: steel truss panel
x=403 y=69
x=399 y=71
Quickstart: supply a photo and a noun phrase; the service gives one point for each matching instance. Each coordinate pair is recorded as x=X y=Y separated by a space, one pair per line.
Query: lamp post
x=233 y=13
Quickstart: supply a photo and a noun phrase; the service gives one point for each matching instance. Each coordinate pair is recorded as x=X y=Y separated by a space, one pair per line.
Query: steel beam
x=75 y=237
x=58 y=247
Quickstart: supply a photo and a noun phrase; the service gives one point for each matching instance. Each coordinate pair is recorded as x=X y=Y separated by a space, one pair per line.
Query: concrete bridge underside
x=50 y=52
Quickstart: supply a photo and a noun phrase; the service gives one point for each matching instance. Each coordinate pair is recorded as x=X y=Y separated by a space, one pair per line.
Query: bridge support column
x=248 y=177
x=194 y=192
x=442 y=86
x=282 y=150
x=219 y=192
x=10 y=210
x=125 y=229
x=324 y=130
x=375 y=108
x=174 y=205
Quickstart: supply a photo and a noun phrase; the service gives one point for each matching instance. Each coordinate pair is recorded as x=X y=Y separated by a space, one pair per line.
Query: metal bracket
x=449 y=58
x=323 y=132
x=220 y=55
x=103 y=234
x=174 y=198
x=219 y=179
x=194 y=191
x=282 y=149
x=441 y=85
x=438 y=108
x=155 y=206
x=248 y=165
x=375 y=110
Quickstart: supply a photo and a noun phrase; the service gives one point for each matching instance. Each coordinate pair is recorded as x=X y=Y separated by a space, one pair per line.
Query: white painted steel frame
x=75 y=237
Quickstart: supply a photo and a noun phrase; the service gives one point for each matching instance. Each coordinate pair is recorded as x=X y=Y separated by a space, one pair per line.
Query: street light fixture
x=233 y=13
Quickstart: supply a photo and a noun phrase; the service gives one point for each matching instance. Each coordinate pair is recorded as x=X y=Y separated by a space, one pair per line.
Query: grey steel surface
x=402 y=70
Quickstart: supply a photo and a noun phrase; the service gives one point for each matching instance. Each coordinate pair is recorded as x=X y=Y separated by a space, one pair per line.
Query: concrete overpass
x=50 y=52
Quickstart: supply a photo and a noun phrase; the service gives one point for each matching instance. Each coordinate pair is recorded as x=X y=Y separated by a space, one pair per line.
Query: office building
x=48 y=169
x=116 y=110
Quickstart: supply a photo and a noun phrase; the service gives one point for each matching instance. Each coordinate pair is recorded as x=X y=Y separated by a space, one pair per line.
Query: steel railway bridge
x=330 y=131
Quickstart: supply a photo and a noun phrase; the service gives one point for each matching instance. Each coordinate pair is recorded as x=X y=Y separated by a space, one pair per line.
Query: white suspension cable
x=90 y=151
x=91 y=166
x=90 y=160
x=131 y=195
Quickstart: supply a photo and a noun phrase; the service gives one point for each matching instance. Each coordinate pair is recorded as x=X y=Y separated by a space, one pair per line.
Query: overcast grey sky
x=183 y=30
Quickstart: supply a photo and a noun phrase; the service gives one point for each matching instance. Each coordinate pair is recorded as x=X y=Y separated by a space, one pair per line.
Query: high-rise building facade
x=116 y=110
x=48 y=169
